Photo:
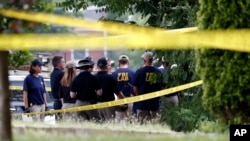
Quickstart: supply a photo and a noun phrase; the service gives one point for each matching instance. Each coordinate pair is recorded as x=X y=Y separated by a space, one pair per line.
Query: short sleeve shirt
x=148 y=79
x=35 y=88
x=85 y=86
x=124 y=78
x=109 y=86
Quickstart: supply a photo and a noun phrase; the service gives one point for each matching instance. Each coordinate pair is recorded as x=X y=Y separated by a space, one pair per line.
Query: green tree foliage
x=18 y=58
x=163 y=13
x=9 y=25
x=225 y=74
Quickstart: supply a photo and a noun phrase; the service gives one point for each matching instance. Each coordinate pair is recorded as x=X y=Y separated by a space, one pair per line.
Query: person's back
x=147 y=79
x=85 y=85
x=109 y=88
x=68 y=102
x=108 y=84
x=124 y=77
x=85 y=88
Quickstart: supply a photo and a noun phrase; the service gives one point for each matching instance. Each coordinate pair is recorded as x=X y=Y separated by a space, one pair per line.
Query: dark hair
x=85 y=67
x=123 y=61
x=31 y=70
x=56 y=60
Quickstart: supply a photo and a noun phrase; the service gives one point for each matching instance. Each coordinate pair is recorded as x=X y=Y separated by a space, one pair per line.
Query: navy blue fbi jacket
x=148 y=79
x=124 y=78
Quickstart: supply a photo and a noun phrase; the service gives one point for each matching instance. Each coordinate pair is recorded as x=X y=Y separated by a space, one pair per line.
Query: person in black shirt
x=68 y=102
x=55 y=78
x=85 y=88
x=109 y=88
x=147 y=79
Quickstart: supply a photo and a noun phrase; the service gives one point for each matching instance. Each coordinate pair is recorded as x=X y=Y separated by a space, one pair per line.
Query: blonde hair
x=69 y=74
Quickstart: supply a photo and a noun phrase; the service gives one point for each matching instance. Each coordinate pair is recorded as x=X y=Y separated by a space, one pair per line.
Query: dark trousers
x=57 y=106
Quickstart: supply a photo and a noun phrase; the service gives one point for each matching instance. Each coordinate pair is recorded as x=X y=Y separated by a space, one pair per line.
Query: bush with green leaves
x=225 y=74
x=188 y=115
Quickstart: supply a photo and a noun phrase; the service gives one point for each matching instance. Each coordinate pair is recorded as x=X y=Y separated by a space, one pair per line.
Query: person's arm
x=72 y=94
x=135 y=90
x=61 y=93
x=25 y=99
x=62 y=100
x=120 y=95
x=45 y=99
x=99 y=92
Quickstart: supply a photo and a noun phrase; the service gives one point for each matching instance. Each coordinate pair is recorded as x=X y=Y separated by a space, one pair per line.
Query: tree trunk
x=5 y=118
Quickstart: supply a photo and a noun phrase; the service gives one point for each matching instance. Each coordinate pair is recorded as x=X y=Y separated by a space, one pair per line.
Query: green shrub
x=212 y=127
x=225 y=74
x=188 y=115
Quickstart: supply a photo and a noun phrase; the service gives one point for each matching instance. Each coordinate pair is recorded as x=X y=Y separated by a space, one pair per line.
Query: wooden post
x=5 y=118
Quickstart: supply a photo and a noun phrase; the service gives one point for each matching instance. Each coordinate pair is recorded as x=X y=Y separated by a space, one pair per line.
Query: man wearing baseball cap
x=86 y=89
x=147 y=79
x=124 y=76
x=109 y=88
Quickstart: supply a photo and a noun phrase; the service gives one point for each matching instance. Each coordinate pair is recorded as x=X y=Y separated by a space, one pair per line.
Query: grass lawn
x=23 y=131
x=45 y=136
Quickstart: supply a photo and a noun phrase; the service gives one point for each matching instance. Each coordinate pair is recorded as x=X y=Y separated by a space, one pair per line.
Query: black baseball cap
x=36 y=62
x=90 y=60
x=102 y=62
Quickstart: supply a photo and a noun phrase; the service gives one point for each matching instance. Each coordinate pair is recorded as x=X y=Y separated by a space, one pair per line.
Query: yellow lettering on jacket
x=122 y=76
x=151 y=77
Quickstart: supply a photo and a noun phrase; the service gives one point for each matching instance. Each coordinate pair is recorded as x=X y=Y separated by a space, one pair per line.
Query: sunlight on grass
x=91 y=131
x=29 y=135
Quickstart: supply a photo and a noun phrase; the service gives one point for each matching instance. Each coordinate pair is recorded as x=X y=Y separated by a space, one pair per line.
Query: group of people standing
x=72 y=88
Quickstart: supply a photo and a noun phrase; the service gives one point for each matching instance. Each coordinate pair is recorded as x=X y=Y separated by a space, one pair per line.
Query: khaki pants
x=120 y=115
x=38 y=108
x=86 y=115
x=69 y=116
x=107 y=113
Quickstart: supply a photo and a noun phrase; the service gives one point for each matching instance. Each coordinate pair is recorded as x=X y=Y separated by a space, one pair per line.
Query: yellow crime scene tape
x=135 y=36
x=120 y=101
x=21 y=88
x=128 y=36
x=114 y=28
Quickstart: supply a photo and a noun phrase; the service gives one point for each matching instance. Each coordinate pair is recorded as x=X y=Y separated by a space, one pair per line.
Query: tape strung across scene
x=228 y=40
x=130 y=36
x=114 y=28
x=121 y=101
x=20 y=88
